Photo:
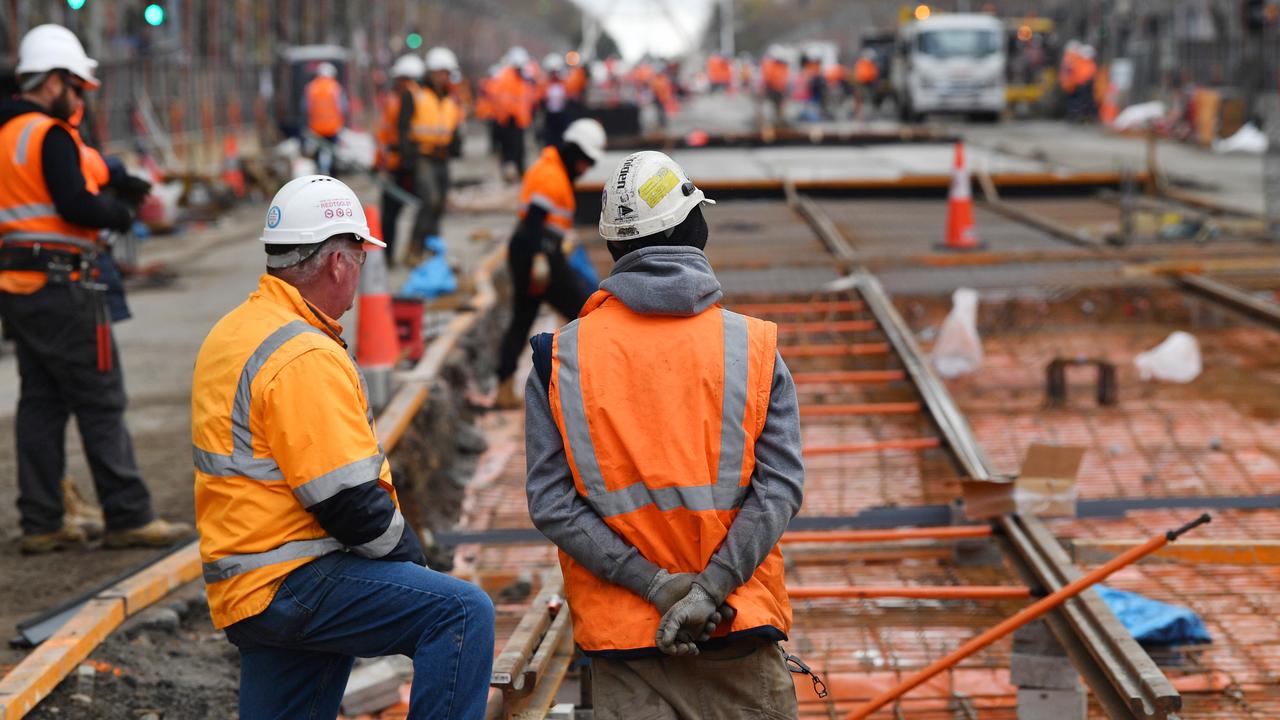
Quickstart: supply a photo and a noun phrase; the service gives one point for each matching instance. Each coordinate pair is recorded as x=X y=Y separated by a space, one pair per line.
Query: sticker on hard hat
x=337 y=207
x=658 y=186
x=273 y=216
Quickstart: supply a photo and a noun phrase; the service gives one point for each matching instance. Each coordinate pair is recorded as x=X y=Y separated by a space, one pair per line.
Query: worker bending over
x=325 y=103
x=431 y=121
x=538 y=250
x=54 y=307
x=308 y=561
x=663 y=446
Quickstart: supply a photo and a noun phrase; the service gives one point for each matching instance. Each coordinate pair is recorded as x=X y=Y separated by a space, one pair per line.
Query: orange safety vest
x=665 y=458
x=576 y=82
x=258 y=462
x=718 y=70
x=865 y=72
x=435 y=119
x=546 y=184
x=92 y=166
x=513 y=98
x=324 y=106
x=386 y=135
x=27 y=214
x=775 y=74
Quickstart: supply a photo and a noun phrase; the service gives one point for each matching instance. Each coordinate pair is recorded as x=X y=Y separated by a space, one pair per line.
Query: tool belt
x=60 y=266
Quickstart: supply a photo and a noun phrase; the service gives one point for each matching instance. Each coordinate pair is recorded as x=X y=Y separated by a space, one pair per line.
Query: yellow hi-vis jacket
x=279 y=423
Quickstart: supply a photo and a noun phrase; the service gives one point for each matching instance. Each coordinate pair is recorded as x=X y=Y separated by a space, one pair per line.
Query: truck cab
x=953 y=63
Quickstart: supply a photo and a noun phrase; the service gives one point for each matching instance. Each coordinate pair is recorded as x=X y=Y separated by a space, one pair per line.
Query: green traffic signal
x=414 y=41
x=154 y=15
x=75 y=4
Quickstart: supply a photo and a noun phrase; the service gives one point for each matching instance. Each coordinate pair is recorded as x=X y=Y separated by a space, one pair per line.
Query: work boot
x=79 y=512
x=69 y=536
x=157 y=533
x=507 y=398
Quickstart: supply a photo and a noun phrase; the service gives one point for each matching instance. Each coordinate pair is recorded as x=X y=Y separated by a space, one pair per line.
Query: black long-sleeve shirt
x=60 y=161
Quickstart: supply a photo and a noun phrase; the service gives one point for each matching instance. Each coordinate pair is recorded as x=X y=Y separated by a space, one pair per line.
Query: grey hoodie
x=666 y=281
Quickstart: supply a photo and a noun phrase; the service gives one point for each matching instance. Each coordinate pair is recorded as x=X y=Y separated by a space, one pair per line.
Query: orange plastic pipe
x=945 y=532
x=1026 y=615
x=798 y=351
x=796 y=308
x=848 y=376
x=899 y=408
x=922 y=592
x=851 y=448
x=826 y=326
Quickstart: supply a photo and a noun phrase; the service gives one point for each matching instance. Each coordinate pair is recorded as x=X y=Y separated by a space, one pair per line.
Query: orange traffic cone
x=1110 y=105
x=960 y=233
x=377 y=344
x=232 y=175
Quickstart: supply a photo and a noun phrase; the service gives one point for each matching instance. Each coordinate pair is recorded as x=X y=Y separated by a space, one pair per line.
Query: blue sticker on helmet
x=273 y=216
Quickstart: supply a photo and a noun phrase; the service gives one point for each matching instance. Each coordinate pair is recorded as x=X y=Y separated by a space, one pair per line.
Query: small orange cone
x=960 y=233
x=232 y=175
x=1110 y=105
x=377 y=344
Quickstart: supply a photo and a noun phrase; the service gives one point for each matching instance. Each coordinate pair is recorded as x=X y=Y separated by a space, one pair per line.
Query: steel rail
x=1232 y=297
x=1122 y=676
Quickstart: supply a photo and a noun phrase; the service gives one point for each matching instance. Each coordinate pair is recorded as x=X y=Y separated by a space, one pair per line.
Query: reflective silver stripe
x=241 y=437
x=549 y=205
x=384 y=543
x=27 y=212
x=24 y=139
x=241 y=462
x=574 y=412
x=41 y=237
x=233 y=565
x=333 y=482
x=254 y=468
x=726 y=494
x=733 y=437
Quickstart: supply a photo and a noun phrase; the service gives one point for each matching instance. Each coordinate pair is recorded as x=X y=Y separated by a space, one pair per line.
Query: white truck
x=950 y=63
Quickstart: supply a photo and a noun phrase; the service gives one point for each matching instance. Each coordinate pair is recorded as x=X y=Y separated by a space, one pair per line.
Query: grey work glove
x=666 y=589
x=689 y=621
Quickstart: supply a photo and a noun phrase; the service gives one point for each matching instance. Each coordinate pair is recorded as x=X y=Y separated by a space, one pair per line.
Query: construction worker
x=429 y=131
x=54 y=308
x=308 y=562
x=514 y=111
x=866 y=73
x=719 y=73
x=664 y=460
x=554 y=99
x=406 y=74
x=537 y=252
x=325 y=104
x=775 y=75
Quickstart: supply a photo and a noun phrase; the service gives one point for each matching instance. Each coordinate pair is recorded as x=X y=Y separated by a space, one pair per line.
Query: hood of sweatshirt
x=664 y=281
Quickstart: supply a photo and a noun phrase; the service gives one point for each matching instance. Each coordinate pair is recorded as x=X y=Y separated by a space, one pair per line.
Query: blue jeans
x=296 y=655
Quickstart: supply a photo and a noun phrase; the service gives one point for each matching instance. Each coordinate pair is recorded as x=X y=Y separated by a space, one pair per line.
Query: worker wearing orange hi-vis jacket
x=775 y=75
x=513 y=107
x=407 y=72
x=308 y=561
x=54 y=306
x=325 y=104
x=431 y=119
x=664 y=460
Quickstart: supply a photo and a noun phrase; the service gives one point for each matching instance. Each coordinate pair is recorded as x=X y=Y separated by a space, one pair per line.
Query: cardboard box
x=1046 y=487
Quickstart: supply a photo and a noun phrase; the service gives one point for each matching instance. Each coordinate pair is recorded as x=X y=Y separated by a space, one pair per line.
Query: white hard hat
x=553 y=62
x=53 y=47
x=442 y=58
x=588 y=135
x=327 y=70
x=518 y=56
x=1086 y=51
x=312 y=209
x=408 y=66
x=647 y=194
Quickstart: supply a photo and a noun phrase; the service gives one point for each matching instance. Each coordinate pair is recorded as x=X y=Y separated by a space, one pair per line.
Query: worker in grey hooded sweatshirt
x=664 y=460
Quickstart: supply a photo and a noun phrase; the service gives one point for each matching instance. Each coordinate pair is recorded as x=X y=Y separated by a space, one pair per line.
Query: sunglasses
x=76 y=86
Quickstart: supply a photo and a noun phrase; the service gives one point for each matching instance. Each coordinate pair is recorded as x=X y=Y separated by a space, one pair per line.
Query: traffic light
x=154 y=14
x=75 y=4
x=414 y=41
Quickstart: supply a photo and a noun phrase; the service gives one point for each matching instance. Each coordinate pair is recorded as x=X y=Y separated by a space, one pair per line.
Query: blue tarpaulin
x=581 y=264
x=1153 y=622
x=433 y=277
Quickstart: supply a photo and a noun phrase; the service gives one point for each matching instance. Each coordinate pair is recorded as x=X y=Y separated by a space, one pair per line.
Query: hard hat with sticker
x=642 y=201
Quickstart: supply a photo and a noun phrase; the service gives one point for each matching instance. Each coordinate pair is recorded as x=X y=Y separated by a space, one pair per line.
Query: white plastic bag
x=958 y=350
x=1139 y=115
x=1177 y=359
x=1248 y=140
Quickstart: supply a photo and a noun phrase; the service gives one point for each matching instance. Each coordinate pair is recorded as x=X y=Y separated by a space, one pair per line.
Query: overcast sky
x=641 y=26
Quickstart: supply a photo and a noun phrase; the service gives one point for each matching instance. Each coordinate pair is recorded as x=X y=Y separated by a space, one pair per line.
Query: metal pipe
x=1023 y=617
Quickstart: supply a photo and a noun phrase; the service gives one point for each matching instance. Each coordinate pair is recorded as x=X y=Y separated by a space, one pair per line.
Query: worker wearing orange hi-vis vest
x=407 y=73
x=307 y=559
x=54 y=307
x=431 y=121
x=513 y=106
x=664 y=460
x=775 y=74
x=325 y=104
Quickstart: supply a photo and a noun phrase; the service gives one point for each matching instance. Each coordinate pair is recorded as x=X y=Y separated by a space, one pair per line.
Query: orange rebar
x=799 y=351
x=945 y=532
x=848 y=376
x=851 y=448
x=920 y=592
x=1024 y=616
x=819 y=326
x=797 y=308
x=891 y=408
